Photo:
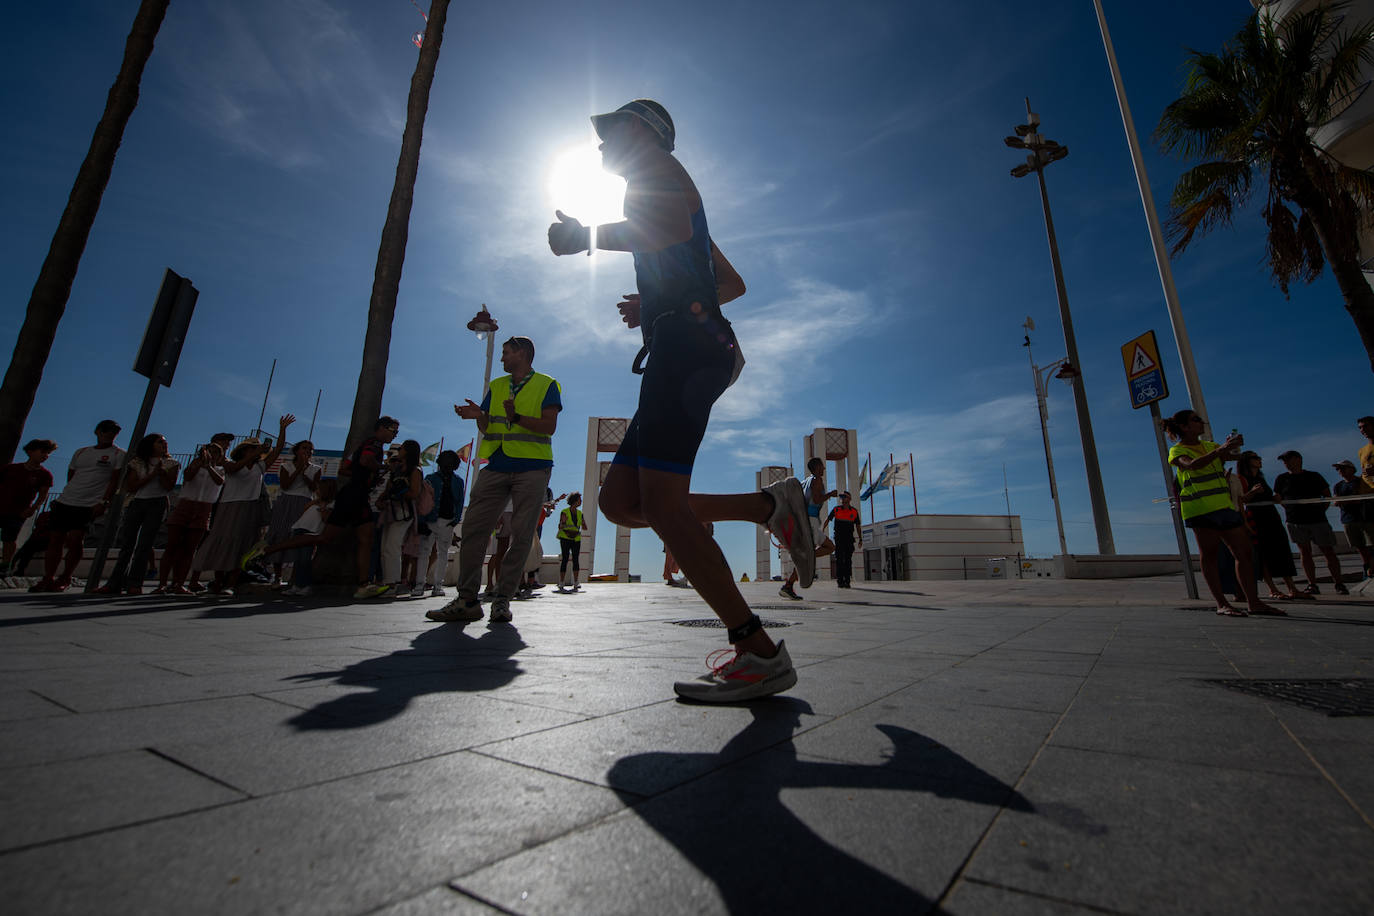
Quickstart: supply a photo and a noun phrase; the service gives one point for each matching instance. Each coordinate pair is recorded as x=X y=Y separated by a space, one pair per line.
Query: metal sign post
x=1145 y=376
x=157 y=359
x=1174 y=511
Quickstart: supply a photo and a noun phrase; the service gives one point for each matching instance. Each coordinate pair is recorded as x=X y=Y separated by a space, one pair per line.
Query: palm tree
x=53 y=288
x=391 y=255
x=1250 y=114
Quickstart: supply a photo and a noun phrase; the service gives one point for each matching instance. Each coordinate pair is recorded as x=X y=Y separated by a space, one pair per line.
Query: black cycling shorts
x=689 y=368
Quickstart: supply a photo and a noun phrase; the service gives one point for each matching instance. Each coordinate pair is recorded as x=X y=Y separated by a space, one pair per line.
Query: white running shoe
x=745 y=676
x=500 y=610
x=457 y=611
x=791 y=526
x=786 y=592
x=437 y=592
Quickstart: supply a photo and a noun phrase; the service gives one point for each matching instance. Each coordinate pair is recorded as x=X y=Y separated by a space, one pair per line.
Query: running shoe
x=457 y=611
x=500 y=610
x=524 y=594
x=744 y=676
x=253 y=553
x=417 y=592
x=786 y=592
x=1312 y=589
x=1340 y=588
x=437 y=592
x=371 y=591
x=792 y=528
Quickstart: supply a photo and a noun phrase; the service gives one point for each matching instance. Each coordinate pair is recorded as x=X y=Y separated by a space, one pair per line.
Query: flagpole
x=911 y=469
x=893 y=488
x=869 y=463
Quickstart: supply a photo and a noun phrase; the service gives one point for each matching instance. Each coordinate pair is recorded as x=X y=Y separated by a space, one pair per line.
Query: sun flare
x=582 y=189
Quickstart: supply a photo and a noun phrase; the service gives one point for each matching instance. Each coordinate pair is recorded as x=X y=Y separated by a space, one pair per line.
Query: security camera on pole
x=1042 y=153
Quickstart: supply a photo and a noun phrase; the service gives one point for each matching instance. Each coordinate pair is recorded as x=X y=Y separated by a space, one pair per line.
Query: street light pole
x=1041 y=401
x=485 y=328
x=1042 y=153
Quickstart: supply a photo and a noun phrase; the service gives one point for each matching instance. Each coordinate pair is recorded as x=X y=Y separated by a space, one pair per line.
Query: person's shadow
x=442 y=659
x=736 y=829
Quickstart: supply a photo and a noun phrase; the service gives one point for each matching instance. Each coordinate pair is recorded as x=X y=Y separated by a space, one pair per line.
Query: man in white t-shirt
x=92 y=478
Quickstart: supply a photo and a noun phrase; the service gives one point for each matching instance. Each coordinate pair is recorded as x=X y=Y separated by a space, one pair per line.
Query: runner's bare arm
x=729 y=284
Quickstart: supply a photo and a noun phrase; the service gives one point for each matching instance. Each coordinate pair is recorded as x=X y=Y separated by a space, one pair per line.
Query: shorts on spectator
x=1318 y=533
x=63 y=518
x=9 y=527
x=1216 y=520
x=192 y=514
x=351 y=509
x=1360 y=534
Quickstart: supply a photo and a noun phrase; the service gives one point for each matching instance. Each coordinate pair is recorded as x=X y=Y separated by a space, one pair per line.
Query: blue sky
x=852 y=164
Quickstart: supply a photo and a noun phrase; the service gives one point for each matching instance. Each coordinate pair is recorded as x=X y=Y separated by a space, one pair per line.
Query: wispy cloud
x=788 y=342
x=269 y=79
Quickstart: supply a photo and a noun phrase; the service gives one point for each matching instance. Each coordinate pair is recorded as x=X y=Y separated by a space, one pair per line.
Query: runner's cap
x=647 y=110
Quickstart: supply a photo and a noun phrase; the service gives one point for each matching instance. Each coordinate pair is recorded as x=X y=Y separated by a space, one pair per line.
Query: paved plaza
x=993 y=747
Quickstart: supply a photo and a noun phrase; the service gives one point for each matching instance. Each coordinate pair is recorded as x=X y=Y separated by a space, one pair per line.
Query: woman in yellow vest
x=1205 y=502
x=571 y=524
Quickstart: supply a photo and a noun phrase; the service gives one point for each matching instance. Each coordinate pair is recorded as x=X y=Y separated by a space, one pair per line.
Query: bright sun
x=582 y=189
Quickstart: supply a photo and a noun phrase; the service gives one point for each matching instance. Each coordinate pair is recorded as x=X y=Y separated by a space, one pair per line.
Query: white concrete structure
x=1349 y=136
x=940 y=547
x=604 y=434
x=763 y=541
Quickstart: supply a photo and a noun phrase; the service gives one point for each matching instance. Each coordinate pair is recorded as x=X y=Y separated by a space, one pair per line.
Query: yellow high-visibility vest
x=517 y=441
x=570 y=524
x=1201 y=489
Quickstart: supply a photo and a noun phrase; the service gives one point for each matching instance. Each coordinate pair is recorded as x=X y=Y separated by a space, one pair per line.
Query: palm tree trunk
x=367 y=403
x=54 y=285
x=1337 y=235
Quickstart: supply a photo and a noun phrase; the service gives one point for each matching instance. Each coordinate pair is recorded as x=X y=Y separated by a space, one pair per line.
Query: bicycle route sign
x=1144 y=372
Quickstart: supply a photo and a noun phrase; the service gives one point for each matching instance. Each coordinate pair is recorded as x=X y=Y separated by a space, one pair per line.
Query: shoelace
x=714 y=657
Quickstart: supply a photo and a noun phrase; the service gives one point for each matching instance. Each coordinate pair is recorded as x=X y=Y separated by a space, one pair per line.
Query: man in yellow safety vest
x=517 y=419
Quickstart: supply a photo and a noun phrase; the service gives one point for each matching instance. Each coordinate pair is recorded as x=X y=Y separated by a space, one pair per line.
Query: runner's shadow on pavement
x=442 y=659
x=734 y=826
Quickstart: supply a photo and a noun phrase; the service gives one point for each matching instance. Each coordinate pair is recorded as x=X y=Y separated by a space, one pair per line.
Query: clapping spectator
x=308 y=530
x=1205 y=503
x=24 y=488
x=397 y=509
x=1307 y=524
x=190 y=518
x=448 y=511
x=1357 y=515
x=1273 y=553
x=238 y=521
x=299 y=478
x=149 y=478
x=92 y=477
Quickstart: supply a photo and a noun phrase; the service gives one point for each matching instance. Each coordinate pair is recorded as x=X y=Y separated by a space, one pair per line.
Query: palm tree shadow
x=734 y=827
x=442 y=659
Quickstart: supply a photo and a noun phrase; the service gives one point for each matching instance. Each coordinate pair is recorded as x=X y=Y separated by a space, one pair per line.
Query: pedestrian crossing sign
x=1144 y=374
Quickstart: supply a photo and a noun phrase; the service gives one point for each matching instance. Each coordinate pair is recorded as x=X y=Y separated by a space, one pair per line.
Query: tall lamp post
x=1039 y=375
x=1042 y=153
x=485 y=327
